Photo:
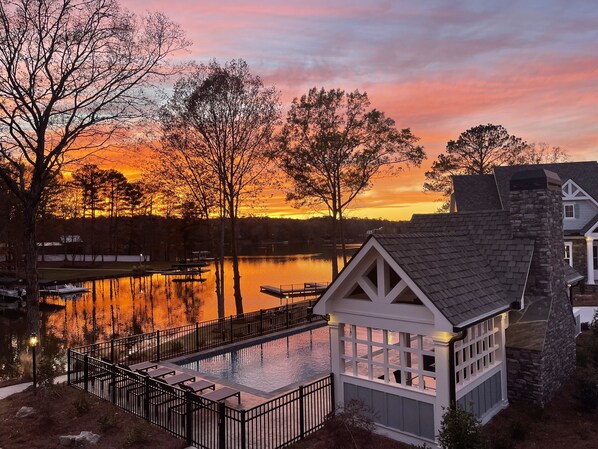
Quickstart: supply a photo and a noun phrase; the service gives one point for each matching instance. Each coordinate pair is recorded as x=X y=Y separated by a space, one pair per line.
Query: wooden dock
x=305 y=290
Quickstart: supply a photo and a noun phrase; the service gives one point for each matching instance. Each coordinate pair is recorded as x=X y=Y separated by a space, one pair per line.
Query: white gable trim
x=344 y=282
x=592 y=230
x=570 y=189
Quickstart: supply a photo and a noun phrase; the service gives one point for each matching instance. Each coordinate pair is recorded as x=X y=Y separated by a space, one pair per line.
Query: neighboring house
x=579 y=212
x=468 y=308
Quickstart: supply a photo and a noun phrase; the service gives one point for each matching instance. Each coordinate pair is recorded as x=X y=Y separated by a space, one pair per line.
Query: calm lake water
x=127 y=306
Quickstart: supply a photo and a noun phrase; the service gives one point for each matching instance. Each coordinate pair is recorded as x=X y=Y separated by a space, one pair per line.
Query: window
x=569 y=210
x=478 y=352
x=569 y=253
x=389 y=357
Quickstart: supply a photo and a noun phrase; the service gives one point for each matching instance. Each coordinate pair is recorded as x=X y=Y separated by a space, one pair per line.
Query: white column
x=335 y=359
x=441 y=358
x=590 y=258
x=504 y=323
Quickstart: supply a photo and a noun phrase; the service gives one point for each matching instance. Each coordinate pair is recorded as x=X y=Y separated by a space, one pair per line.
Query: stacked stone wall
x=537 y=374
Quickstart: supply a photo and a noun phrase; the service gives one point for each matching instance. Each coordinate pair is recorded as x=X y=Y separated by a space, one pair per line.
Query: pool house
x=397 y=342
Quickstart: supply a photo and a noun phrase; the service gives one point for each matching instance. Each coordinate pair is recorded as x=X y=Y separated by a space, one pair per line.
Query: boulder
x=84 y=437
x=24 y=412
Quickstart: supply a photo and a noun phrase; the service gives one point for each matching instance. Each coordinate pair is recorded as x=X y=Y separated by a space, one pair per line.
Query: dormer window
x=569 y=210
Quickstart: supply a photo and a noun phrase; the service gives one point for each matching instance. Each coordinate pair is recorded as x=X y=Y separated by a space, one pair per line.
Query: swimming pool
x=270 y=365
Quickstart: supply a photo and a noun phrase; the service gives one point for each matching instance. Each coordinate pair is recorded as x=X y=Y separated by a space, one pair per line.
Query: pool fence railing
x=101 y=369
x=203 y=423
x=192 y=338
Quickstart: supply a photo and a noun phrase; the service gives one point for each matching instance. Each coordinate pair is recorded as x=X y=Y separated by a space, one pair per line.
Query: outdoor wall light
x=33 y=342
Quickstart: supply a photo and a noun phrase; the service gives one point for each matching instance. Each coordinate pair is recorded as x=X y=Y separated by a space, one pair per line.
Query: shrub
x=586 y=392
x=460 y=429
x=519 y=430
x=26 y=363
x=47 y=370
x=81 y=404
x=581 y=358
x=501 y=442
x=136 y=434
x=108 y=422
x=351 y=426
x=594 y=324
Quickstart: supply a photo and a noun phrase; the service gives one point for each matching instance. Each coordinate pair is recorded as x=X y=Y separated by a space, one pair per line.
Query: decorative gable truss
x=374 y=287
x=571 y=191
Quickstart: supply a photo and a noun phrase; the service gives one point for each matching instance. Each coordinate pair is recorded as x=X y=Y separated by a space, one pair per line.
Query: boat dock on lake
x=305 y=290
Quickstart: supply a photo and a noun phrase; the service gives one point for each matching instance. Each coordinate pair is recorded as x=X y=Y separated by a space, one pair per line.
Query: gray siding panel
x=407 y=415
x=585 y=210
x=483 y=397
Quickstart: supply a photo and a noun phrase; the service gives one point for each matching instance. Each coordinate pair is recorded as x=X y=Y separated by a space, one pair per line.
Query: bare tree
x=332 y=146
x=476 y=152
x=231 y=118
x=542 y=153
x=71 y=73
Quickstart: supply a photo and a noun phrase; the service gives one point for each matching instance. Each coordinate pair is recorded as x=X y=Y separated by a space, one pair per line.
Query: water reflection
x=118 y=307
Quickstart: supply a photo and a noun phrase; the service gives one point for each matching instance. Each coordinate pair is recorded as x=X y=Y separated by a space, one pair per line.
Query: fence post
x=243 y=433
x=231 y=328
x=86 y=372
x=146 y=403
x=287 y=315
x=310 y=314
x=261 y=321
x=158 y=346
x=301 y=413
x=221 y=425
x=196 y=336
x=189 y=417
x=112 y=350
x=332 y=399
x=68 y=364
x=113 y=380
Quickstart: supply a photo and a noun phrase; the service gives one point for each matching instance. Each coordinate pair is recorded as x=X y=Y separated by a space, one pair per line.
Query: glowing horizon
x=435 y=67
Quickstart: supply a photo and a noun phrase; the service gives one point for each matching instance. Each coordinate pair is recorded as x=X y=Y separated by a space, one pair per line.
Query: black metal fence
x=201 y=422
x=184 y=340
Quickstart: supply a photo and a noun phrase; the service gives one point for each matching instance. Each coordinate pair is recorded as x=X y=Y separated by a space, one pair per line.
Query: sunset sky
x=437 y=67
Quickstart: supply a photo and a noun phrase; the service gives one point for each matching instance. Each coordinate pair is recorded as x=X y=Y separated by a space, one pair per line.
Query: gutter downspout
x=452 y=386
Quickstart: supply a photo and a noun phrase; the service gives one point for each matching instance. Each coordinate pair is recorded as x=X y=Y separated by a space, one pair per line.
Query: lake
x=124 y=306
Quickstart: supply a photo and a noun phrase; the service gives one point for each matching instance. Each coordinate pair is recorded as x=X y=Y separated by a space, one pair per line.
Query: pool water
x=270 y=365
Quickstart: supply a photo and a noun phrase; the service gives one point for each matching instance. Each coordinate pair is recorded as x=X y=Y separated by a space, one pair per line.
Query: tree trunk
x=31 y=275
x=235 y=260
x=342 y=234
x=219 y=263
x=334 y=250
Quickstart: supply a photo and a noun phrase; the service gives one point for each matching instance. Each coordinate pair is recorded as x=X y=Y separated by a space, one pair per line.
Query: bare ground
x=62 y=410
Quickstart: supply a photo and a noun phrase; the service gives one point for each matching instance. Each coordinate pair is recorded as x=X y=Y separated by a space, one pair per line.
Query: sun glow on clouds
x=436 y=67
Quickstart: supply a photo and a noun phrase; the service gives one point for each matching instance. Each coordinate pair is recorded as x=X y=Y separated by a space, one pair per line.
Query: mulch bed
x=62 y=410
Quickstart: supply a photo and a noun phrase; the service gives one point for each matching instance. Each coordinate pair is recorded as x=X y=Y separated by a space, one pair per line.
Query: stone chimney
x=541 y=338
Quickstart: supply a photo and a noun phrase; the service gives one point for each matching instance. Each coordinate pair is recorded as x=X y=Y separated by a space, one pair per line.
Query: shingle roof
x=470 y=190
x=589 y=225
x=584 y=174
x=490 y=231
x=451 y=272
x=473 y=193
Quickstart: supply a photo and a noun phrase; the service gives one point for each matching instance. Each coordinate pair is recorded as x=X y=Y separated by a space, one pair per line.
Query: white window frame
x=409 y=345
x=569 y=249
x=478 y=352
x=572 y=206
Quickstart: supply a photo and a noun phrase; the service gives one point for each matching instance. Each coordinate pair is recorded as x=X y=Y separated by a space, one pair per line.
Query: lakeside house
x=467 y=308
x=580 y=207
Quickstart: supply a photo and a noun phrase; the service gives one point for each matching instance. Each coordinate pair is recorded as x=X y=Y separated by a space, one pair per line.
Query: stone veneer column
x=590 y=258
x=541 y=338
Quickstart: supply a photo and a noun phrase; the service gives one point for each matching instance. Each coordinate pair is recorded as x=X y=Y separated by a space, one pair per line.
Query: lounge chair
x=199 y=386
x=222 y=394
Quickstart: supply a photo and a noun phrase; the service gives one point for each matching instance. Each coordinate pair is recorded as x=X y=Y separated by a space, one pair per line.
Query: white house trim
x=571 y=192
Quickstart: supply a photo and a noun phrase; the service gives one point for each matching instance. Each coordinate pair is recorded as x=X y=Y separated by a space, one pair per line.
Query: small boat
x=62 y=289
x=12 y=293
